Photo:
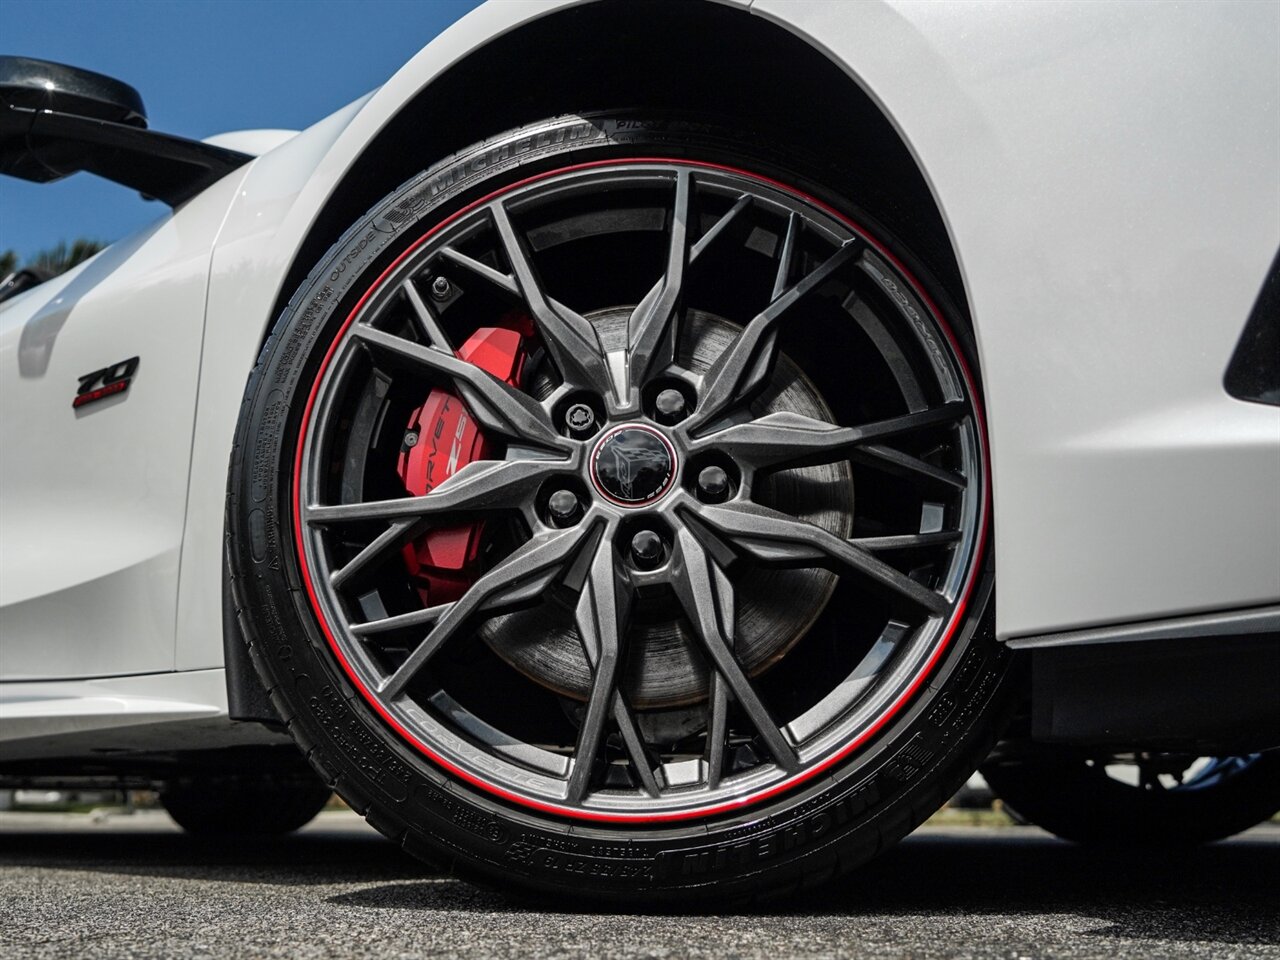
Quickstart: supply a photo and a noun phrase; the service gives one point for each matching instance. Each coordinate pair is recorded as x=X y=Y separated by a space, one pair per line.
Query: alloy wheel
x=728 y=519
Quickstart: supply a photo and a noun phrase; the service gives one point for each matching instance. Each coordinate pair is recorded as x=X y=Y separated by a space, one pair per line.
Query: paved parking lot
x=134 y=887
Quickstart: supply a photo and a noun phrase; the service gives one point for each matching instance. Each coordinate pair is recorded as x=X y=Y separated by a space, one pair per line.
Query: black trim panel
x=1224 y=623
x=1212 y=696
x=1254 y=371
x=247 y=697
x=44 y=145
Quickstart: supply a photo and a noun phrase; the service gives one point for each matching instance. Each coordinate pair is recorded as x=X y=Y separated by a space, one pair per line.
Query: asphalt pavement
x=75 y=887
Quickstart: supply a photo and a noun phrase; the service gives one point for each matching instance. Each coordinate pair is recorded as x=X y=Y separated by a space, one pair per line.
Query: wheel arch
x=698 y=58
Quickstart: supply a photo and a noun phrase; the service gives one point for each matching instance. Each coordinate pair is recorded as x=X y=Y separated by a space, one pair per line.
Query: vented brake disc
x=775 y=608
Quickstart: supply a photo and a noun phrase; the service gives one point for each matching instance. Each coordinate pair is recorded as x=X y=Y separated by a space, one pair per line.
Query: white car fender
x=94 y=496
x=1084 y=230
x=1110 y=176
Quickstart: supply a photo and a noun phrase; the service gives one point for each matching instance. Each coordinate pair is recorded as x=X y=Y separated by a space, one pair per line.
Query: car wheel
x=1148 y=799
x=243 y=804
x=610 y=515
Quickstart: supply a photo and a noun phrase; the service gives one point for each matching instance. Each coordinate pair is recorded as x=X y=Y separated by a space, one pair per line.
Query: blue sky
x=203 y=67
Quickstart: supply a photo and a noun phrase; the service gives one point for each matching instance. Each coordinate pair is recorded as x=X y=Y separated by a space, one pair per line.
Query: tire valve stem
x=441 y=289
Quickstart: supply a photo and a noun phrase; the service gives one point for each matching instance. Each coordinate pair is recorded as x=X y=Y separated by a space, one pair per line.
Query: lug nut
x=441 y=288
x=564 y=507
x=713 y=485
x=669 y=407
x=646 y=549
x=581 y=420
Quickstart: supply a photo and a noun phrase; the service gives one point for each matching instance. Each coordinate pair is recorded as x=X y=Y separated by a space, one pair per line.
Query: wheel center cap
x=633 y=465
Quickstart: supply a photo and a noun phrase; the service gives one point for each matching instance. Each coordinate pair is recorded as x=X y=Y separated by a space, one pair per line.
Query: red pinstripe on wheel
x=741 y=803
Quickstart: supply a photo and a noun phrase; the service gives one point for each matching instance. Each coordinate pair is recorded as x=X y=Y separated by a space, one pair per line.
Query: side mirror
x=20 y=281
x=56 y=120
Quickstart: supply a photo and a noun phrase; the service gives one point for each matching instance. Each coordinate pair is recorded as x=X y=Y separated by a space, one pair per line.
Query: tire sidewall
x=875 y=796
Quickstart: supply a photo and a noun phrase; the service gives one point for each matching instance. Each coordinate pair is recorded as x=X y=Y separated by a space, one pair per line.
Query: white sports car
x=597 y=448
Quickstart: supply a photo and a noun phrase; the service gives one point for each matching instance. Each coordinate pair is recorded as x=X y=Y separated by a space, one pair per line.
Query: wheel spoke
x=720 y=227
x=651 y=332
x=593 y=621
x=428 y=324
x=707 y=597
x=555 y=321
x=786 y=439
x=503 y=281
x=786 y=258
x=745 y=365
x=570 y=339
x=907 y=541
x=652 y=328
x=637 y=753
x=482 y=486
x=773 y=538
x=393 y=536
x=495 y=404
x=949 y=412
x=904 y=465
x=601 y=615
x=414 y=618
x=717 y=730
x=525 y=573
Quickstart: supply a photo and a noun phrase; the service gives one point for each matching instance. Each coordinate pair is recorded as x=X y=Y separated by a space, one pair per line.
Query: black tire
x=1079 y=801
x=244 y=805
x=815 y=831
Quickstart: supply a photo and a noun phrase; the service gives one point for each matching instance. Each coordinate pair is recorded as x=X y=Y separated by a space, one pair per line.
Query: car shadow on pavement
x=1223 y=893
x=299 y=859
x=1219 y=894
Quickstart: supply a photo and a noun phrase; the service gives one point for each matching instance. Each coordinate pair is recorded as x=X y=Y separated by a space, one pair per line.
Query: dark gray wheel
x=618 y=492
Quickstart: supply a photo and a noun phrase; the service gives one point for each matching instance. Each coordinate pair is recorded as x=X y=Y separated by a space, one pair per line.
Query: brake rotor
x=665 y=666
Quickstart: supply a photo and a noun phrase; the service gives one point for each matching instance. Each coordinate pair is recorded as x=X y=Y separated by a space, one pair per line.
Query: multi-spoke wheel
x=634 y=504
x=1138 y=799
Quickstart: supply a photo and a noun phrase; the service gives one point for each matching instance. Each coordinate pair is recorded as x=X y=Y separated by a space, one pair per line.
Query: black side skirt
x=1211 y=695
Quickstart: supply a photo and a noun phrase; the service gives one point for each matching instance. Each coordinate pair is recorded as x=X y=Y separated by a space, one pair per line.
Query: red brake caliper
x=442 y=562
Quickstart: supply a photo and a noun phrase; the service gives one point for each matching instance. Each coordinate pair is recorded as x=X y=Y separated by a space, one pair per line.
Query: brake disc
x=664 y=665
